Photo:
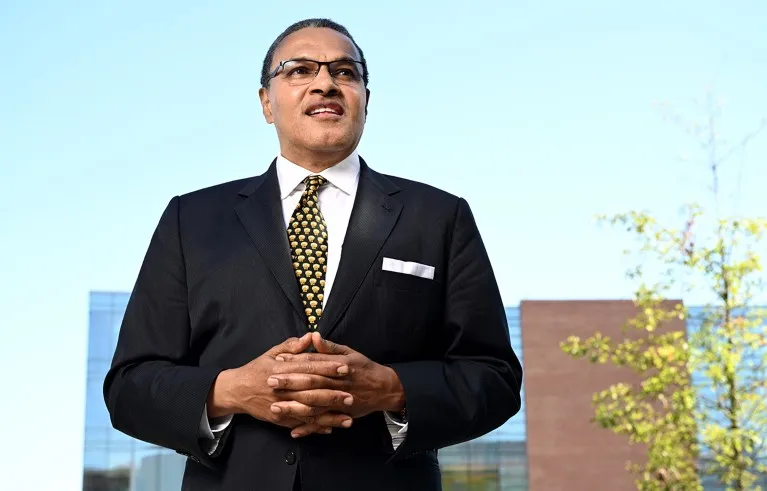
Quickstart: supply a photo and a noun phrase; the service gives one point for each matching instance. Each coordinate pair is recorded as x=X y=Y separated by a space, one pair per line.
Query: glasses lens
x=345 y=72
x=299 y=72
x=302 y=72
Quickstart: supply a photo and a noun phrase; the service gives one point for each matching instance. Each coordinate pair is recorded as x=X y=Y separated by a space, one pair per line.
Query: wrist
x=221 y=399
x=395 y=394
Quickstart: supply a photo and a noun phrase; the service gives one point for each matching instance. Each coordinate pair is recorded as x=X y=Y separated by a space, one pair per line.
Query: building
x=498 y=460
x=697 y=318
x=550 y=445
x=563 y=446
x=112 y=460
x=116 y=462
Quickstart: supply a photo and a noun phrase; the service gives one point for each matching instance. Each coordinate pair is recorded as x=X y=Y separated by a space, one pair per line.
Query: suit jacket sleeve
x=475 y=387
x=154 y=391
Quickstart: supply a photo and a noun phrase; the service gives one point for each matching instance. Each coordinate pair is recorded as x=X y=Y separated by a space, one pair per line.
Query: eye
x=298 y=71
x=346 y=73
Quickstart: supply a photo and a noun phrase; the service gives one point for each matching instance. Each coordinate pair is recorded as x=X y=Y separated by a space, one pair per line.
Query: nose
x=324 y=83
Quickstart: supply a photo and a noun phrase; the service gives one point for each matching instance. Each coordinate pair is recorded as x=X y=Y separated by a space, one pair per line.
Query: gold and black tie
x=308 y=239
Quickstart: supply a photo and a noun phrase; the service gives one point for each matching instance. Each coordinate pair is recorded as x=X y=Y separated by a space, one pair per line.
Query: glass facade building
x=115 y=462
x=707 y=395
x=112 y=460
x=496 y=461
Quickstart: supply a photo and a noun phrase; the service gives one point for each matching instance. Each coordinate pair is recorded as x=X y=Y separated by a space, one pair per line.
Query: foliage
x=658 y=411
x=700 y=405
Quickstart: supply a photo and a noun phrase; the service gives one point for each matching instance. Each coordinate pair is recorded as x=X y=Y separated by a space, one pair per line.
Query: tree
x=657 y=412
x=701 y=405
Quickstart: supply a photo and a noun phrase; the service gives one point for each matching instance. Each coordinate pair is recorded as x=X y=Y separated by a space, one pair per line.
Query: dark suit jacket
x=216 y=289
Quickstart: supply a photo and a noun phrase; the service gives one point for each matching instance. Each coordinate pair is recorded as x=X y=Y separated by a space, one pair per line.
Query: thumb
x=328 y=347
x=293 y=345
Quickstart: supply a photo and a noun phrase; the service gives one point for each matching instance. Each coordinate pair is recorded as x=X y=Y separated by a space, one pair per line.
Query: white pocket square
x=407 y=267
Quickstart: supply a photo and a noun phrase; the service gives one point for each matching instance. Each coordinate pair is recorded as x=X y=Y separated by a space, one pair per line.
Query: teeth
x=323 y=110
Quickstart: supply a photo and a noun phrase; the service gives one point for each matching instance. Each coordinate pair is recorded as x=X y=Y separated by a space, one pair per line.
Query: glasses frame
x=273 y=74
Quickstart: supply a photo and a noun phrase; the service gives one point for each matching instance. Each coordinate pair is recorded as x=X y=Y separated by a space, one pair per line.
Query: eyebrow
x=306 y=58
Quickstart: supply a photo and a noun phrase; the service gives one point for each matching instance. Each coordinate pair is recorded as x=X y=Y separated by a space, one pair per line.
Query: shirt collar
x=344 y=175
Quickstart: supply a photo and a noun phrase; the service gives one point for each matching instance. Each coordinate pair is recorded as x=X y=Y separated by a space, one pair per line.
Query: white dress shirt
x=336 y=200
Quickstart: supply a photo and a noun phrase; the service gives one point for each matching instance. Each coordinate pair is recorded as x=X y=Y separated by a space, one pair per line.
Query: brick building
x=563 y=446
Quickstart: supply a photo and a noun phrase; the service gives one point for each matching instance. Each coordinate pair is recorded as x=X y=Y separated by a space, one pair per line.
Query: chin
x=331 y=143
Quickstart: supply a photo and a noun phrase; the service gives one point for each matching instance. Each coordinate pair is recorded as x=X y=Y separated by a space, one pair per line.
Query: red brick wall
x=566 y=451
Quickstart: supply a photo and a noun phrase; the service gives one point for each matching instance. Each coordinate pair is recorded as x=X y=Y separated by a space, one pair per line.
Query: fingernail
x=280 y=358
x=272 y=382
x=349 y=401
x=295 y=434
x=347 y=423
x=343 y=370
x=276 y=409
x=327 y=431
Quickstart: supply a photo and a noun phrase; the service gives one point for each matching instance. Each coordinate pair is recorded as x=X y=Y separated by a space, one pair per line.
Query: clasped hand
x=315 y=392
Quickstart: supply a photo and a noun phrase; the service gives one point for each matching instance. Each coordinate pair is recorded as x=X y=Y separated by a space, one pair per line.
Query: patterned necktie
x=308 y=239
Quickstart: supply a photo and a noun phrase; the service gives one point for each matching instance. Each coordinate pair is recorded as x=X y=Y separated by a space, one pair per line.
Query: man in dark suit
x=321 y=326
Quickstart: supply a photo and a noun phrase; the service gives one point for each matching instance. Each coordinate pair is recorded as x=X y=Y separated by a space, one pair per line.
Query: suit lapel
x=261 y=214
x=374 y=215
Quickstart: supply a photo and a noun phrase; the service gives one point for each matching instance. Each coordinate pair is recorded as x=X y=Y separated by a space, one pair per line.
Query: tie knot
x=313 y=183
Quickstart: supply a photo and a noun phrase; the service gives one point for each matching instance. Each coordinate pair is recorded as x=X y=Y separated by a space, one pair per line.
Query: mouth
x=325 y=110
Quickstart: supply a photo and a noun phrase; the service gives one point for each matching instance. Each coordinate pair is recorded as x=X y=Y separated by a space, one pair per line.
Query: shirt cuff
x=211 y=430
x=397 y=430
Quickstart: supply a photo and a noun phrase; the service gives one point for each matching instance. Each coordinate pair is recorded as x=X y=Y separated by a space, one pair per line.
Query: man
x=321 y=326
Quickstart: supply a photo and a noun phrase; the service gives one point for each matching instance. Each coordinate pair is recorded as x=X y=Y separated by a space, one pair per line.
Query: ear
x=266 y=104
x=367 y=101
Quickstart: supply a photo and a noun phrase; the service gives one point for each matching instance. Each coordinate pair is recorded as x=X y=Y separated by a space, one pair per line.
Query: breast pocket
x=404 y=282
x=406 y=276
x=407 y=309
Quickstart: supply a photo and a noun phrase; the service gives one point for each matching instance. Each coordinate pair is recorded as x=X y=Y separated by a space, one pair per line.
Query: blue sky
x=542 y=112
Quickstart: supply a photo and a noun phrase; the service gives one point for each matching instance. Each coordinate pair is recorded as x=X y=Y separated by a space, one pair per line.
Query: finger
x=303 y=381
x=321 y=398
x=327 y=420
x=324 y=368
x=329 y=347
x=292 y=345
x=311 y=415
x=296 y=410
x=305 y=429
x=304 y=357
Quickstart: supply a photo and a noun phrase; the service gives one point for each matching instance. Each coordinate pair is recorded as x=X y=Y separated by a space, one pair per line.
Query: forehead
x=315 y=43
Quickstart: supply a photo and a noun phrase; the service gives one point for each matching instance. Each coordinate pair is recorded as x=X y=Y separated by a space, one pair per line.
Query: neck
x=316 y=162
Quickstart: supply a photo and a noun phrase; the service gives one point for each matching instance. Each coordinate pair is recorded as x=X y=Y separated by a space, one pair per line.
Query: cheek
x=357 y=104
x=286 y=105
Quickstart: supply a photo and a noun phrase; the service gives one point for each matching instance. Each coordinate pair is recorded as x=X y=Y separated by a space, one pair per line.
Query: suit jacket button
x=290 y=457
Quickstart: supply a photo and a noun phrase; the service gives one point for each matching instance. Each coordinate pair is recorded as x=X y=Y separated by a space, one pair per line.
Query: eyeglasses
x=303 y=72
